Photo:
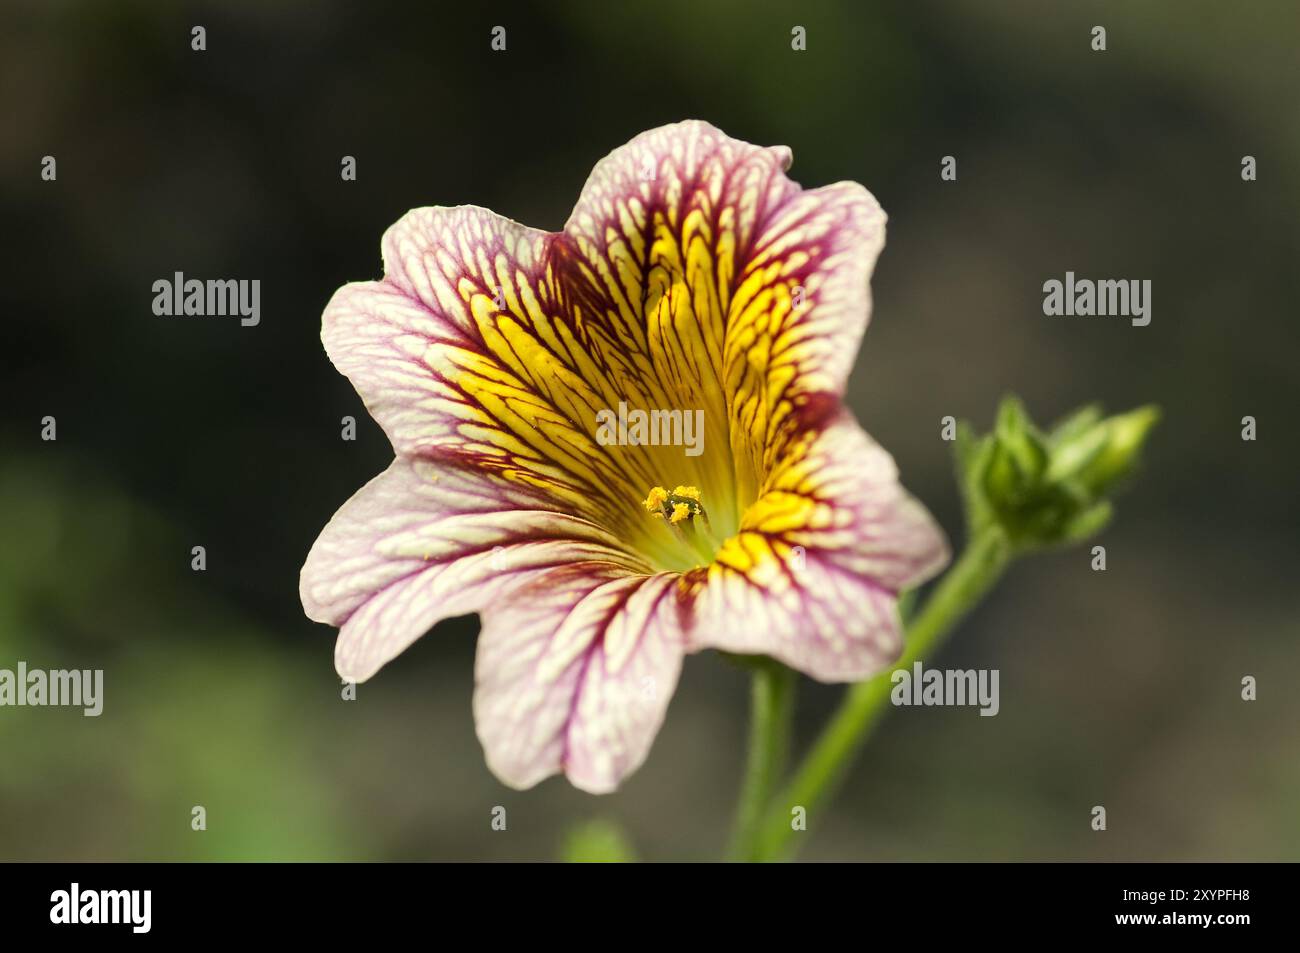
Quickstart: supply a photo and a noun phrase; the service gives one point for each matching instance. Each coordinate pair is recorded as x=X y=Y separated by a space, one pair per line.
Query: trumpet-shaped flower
x=692 y=275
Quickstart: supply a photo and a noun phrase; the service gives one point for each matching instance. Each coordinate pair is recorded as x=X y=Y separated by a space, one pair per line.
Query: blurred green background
x=1118 y=688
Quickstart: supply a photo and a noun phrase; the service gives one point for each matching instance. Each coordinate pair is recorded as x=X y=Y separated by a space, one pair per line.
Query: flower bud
x=1019 y=456
x=1124 y=436
x=1048 y=489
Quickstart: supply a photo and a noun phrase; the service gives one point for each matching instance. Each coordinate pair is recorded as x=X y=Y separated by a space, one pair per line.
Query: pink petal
x=813 y=576
x=574 y=674
x=421 y=543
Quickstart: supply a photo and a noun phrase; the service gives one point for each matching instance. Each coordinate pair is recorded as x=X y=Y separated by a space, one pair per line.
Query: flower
x=692 y=274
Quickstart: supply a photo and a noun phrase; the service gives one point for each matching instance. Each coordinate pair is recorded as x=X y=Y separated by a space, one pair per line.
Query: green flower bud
x=1018 y=456
x=1043 y=490
x=1124 y=436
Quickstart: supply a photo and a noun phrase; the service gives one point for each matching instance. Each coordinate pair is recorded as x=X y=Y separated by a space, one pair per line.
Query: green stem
x=970 y=578
x=771 y=708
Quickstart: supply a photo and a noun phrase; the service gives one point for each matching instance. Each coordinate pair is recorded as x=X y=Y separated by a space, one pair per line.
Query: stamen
x=655 y=501
x=682 y=504
x=679 y=508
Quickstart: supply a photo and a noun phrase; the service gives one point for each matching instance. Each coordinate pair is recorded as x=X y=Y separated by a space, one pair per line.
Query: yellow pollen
x=655 y=501
x=679 y=506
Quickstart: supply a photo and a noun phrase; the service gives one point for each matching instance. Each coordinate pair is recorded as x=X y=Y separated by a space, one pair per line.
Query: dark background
x=1118 y=688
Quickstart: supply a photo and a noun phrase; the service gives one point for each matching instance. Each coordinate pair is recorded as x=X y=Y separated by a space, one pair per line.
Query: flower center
x=679 y=510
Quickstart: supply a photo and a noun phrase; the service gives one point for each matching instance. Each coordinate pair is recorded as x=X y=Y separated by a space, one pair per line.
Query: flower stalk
x=772 y=692
x=978 y=569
